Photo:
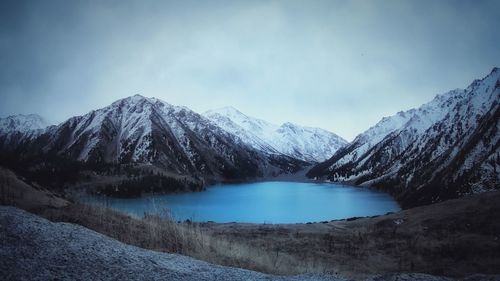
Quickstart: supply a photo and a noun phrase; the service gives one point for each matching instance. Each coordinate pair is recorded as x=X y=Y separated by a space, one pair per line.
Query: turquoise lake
x=262 y=202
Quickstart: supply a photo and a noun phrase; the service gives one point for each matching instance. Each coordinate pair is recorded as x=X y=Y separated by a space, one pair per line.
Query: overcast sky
x=339 y=65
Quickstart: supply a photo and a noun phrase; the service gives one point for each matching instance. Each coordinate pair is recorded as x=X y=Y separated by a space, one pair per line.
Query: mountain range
x=16 y=128
x=447 y=148
x=304 y=143
x=444 y=149
x=175 y=140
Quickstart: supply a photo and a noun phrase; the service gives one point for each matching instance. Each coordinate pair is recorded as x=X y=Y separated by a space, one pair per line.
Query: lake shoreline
x=455 y=238
x=275 y=202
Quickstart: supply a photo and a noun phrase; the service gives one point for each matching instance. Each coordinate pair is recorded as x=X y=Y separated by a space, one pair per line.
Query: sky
x=338 y=65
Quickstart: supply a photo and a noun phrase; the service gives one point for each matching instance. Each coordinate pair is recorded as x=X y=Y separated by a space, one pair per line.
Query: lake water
x=262 y=202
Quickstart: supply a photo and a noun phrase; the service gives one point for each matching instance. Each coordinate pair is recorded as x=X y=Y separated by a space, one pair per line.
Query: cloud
x=340 y=65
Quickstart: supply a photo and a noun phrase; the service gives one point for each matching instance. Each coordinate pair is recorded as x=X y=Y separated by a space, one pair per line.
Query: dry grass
x=16 y=192
x=454 y=238
x=151 y=232
x=163 y=233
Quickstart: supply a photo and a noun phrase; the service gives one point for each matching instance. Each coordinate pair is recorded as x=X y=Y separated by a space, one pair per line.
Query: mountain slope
x=146 y=131
x=305 y=143
x=22 y=123
x=444 y=149
x=16 y=128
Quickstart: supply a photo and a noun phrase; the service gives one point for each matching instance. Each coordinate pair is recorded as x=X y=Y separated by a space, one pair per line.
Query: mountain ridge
x=301 y=142
x=413 y=149
x=20 y=127
x=153 y=137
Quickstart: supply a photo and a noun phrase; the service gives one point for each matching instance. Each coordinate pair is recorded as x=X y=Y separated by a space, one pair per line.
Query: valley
x=439 y=162
x=447 y=148
x=326 y=140
x=457 y=238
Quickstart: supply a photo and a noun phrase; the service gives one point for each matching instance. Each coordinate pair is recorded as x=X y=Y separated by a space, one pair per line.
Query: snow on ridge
x=416 y=120
x=434 y=134
x=305 y=143
x=22 y=123
x=124 y=119
x=127 y=125
x=254 y=125
x=130 y=117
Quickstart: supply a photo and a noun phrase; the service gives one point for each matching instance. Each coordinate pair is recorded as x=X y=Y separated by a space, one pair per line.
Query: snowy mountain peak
x=490 y=79
x=148 y=131
x=236 y=115
x=227 y=110
x=308 y=144
x=292 y=128
x=22 y=123
x=289 y=125
x=132 y=100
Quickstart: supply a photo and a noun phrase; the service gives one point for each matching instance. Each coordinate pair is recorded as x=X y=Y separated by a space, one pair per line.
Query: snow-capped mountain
x=22 y=123
x=446 y=148
x=16 y=128
x=305 y=143
x=139 y=130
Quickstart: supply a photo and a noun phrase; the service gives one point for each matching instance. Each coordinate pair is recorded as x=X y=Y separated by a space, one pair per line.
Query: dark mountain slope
x=445 y=149
x=147 y=132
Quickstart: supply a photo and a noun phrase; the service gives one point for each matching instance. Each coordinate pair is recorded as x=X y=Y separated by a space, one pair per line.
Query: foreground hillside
x=33 y=248
x=444 y=149
x=455 y=238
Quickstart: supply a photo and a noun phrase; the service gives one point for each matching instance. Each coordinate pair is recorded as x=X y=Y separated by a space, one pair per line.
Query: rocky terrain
x=33 y=248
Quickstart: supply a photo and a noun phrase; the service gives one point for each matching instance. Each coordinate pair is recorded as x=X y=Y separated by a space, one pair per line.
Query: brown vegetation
x=454 y=238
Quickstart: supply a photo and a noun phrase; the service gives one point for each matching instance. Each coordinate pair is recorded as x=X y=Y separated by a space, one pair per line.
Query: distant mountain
x=16 y=128
x=305 y=143
x=22 y=123
x=447 y=148
x=146 y=131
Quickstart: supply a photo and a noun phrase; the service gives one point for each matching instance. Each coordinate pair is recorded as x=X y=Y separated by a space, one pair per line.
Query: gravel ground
x=33 y=248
